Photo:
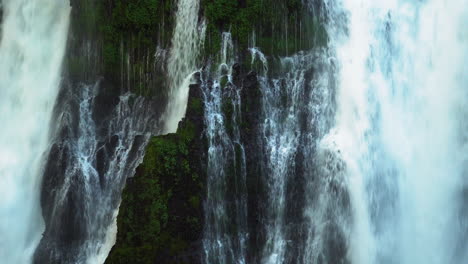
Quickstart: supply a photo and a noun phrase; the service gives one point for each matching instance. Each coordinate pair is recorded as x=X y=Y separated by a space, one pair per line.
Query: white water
x=188 y=38
x=132 y=125
x=33 y=42
x=295 y=110
x=226 y=198
x=94 y=166
x=401 y=127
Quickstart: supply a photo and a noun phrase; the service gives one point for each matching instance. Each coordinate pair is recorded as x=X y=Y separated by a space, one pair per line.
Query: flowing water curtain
x=34 y=35
x=188 y=38
x=225 y=233
x=297 y=106
x=400 y=127
x=91 y=163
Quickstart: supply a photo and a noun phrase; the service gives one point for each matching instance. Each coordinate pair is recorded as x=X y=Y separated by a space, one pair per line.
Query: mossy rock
x=280 y=31
x=161 y=216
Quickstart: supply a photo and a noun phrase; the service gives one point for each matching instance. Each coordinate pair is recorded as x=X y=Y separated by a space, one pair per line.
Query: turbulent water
x=189 y=35
x=401 y=127
x=32 y=46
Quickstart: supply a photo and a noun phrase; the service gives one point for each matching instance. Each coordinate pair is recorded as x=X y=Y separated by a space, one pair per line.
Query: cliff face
x=115 y=92
x=110 y=102
x=161 y=217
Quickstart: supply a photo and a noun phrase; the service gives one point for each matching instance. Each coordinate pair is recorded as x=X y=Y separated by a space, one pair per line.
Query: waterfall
x=90 y=159
x=34 y=35
x=353 y=151
x=400 y=128
x=296 y=106
x=226 y=201
x=189 y=35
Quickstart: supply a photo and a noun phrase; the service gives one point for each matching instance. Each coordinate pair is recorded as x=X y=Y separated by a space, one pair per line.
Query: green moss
x=224 y=80
x=281 y=30
x=227 y=108
x=177 y=245
x=213 y=40
x=221 y=11
x=194 y=202
x=195 y=105
x=160 y=211
x=225 y=15
x=138 y=255
x=130 y=30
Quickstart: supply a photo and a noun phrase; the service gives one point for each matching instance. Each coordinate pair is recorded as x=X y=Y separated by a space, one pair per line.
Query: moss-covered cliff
x=161 y=217
x=123 y=37
x=277 y=27
x=123 y=42
x=161 y=214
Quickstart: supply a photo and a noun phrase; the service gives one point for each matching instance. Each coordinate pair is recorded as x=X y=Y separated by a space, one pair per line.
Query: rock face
x=104 y=115
x=80 y=176
x=161 y=218
x=161 y=214
x=121 y=46
x=251 y=114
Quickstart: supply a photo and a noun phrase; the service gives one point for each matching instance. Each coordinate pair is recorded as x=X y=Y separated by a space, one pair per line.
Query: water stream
x=189 y=34
x=401 y=127
x=362 y=142
x=34 y=35
x=225 y=234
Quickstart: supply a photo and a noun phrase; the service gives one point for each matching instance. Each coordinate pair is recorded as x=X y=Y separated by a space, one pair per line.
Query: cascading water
x=188 y=37
x=91 y=157
x=400 y=128
x=361 y=144
x=100 y=139
x=34 y=34
x=297 y=104
x=226 y=201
